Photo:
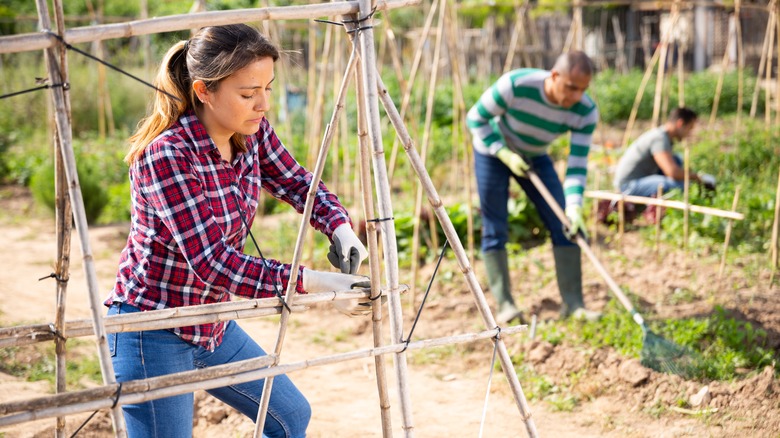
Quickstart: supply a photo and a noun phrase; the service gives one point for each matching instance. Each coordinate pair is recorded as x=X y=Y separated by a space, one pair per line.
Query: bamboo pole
x=659 y=193
x=775 y=232
x=594 y=223
x=62 y=109
x=686 y=194
x=432 y=81
x=777 y=85
x=638 y=97
x=457 y=61
x=620 y=40
x=368 y=92
x=664 y=47
x=137 y=391
x=302 y=232
x=621 y=217
x=665 y=203
x=740 y=63
x=460 y=254
x=374 y=266
x=520 y=9
x=719 y=87
x=728 y=236
x=762 y=63
x=63 y=228
x=769 y=58
x=412 y=76
x=38 y=41
x=174 y=317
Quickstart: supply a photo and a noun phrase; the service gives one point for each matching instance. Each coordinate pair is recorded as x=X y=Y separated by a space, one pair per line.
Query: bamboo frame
x=596 y=194
x=64 y=136
x=460 y=254
x=728 y=236
x=137 y=391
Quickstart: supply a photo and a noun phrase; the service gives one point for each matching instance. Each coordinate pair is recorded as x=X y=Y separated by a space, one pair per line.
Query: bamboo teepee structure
x=358 y=21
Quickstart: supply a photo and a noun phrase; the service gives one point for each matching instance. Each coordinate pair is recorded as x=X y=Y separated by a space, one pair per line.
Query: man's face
x=567 y=89
x=684 y=130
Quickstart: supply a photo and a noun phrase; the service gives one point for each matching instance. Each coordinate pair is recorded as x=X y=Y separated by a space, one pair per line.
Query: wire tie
x=336 y=23
x=117 y=394
x=498 y=334
x=406 y=345
x=57 y=334
x=383 y=219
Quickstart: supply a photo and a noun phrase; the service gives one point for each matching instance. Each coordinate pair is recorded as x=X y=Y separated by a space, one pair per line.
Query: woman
x=197 y=164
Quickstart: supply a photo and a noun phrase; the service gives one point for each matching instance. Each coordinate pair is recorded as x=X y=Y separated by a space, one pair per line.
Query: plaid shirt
x=186 y=236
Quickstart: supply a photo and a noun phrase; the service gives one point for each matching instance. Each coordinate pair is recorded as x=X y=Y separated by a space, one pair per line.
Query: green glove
x=574 y=213
x=513 y=161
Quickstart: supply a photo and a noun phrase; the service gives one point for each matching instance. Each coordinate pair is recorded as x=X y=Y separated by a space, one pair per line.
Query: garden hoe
x=657 y=352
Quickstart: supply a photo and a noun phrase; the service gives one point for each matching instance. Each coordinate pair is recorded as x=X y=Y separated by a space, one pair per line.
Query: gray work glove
x=347 y=251
x=322 y=281
x=708 y=181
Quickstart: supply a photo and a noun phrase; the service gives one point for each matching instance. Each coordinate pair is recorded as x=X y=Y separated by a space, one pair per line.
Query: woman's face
x=239 y=103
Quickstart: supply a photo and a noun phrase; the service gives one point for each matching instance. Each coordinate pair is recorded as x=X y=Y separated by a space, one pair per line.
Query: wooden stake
x=369 y=93
x=728 y=236
x=138 y=391
x=659 y=194
x=686 y=192
x=776 y=231
x=520 y=8
x=719 y=87
x=303 y=228
x=664 y=203
x=769 y=58
x=740 y=63
x=460 y=254
x=424 y=152
x=762 y=63
x=62 y=111
x=373 y=256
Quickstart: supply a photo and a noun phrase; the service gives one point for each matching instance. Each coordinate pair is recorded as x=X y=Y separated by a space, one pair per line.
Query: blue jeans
x=493 y=185
x=139 y=355
x=647 y=186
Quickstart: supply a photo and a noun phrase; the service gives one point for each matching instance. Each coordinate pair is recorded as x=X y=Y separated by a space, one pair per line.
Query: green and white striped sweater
x=516 y=111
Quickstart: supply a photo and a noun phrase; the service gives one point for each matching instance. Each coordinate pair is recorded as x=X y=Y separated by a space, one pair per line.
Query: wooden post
x=369 y=93
x=728 y=235
x=520 y=8
x=621 y=217
x=769 y=58
x=664 y=48
x=763 y=63
x=719 y=87
x=659 y=193
x=424 y=152
x=460 y=254
x=302 y=234
x=775 y=232
x=686 y=192
x=740 y=62
x=373 y=256
x=62 y=119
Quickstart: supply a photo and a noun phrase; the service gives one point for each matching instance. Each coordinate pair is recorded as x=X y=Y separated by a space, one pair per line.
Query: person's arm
x=670 y=168
x=168 y=182
x=493 y=103
x=577 y=165
x=287 y=180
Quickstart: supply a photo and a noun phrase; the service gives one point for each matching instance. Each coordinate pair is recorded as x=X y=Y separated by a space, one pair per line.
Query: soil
x=447 y=385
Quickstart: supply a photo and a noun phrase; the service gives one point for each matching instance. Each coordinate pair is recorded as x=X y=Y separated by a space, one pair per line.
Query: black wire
x=265 y=264
x=109 y=65
x=422 y=304
x=64 y=85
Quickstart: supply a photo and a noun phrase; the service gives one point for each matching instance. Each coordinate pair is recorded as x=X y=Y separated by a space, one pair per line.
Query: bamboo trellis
x=370 y=91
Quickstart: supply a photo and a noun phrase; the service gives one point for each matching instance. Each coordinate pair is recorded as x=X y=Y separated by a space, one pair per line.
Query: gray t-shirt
x=638 y=160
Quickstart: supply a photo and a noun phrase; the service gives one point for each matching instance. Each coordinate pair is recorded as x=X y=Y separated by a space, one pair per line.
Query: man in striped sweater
x=512 y=126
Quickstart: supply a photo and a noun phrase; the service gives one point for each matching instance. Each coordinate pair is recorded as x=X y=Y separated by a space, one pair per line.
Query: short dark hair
x=687 y=115
x=574 y=60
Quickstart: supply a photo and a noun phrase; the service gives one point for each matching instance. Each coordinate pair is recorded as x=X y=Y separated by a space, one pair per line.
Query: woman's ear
x=201 y=91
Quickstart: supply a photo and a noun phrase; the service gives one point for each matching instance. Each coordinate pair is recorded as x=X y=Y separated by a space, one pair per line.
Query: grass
x=37 y=362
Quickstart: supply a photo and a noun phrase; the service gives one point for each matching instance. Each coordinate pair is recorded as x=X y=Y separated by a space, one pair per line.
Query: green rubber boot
x=497 y=267
x=568 y=269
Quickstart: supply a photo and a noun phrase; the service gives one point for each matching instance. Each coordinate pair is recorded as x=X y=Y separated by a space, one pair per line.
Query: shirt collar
x=193 y=128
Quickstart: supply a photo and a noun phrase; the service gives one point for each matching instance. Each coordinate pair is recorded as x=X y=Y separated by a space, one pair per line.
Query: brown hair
x=211 y=55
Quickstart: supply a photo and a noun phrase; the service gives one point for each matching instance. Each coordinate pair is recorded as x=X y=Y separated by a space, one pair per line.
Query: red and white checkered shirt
x=187 y=237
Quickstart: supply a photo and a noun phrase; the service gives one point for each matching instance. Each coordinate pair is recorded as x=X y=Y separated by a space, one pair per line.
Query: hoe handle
x=583 y=244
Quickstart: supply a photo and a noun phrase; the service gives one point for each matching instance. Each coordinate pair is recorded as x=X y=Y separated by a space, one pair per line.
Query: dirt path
x=447 y=385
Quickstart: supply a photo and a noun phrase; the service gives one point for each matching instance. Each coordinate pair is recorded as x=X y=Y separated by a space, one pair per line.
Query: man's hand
x=708 y=181
x=513 y=161
x=321 y=281
x=347 y=251
x=574 y=213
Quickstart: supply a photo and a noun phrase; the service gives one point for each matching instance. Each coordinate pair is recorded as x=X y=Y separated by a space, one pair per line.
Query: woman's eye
x=247 y=97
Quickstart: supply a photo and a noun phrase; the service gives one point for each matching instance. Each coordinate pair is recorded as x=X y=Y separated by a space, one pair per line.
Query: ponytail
x=174 y=79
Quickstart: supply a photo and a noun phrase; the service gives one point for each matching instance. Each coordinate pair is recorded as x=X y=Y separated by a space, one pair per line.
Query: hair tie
x=187 y=45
